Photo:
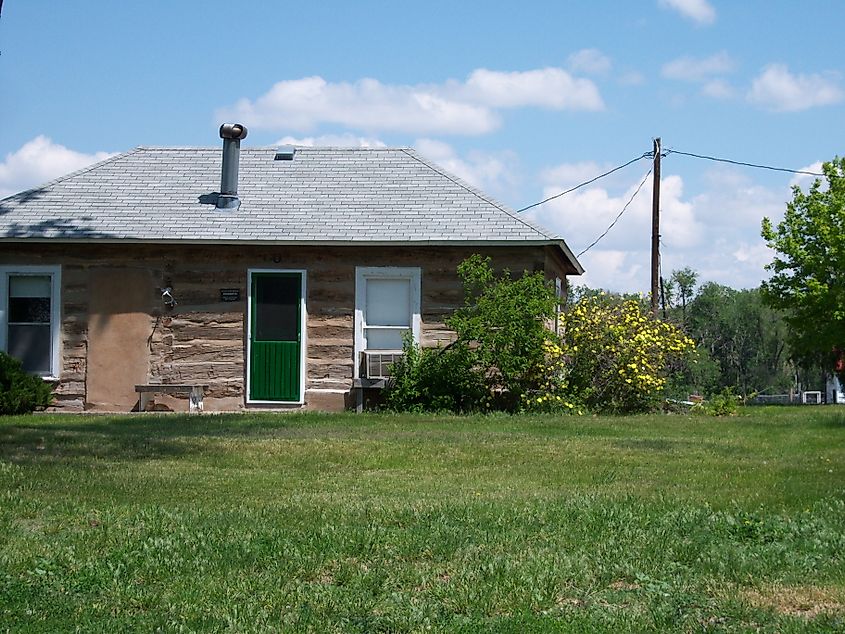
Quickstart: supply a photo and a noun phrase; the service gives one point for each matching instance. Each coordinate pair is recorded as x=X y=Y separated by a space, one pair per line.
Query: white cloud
x=718 y=89
x=551 y=88
x=699 y=11
x=613 y=269
x=698 y=69
x=779 y=90
x=301 y=104
x=632 y=78
x=583 y=215
x=453 y=107
x=484 y=171
x=804 y=180
x=39 y=161
x=333 y=140
x=589 y=60
x=568 y=174
x=716 y=231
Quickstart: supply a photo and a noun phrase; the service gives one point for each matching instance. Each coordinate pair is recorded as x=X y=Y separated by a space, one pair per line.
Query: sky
x=522 y=100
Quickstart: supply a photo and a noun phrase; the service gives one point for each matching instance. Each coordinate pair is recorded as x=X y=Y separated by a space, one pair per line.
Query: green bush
x=21 y=393
x=725 y=403
x=436 y=379
x=504 y=326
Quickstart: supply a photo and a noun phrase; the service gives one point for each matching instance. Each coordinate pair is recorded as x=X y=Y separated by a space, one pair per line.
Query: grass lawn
x=381 y=523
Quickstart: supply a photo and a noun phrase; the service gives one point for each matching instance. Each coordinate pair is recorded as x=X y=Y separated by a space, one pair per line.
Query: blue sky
x=521 y=100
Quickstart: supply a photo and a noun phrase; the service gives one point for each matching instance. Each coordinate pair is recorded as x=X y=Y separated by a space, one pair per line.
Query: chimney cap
x=233 y=131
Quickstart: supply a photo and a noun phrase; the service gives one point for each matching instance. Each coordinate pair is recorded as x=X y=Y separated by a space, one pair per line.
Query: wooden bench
x=194 y=392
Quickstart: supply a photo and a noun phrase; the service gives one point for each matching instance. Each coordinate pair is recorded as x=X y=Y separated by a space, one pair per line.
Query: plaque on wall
x=230 y=294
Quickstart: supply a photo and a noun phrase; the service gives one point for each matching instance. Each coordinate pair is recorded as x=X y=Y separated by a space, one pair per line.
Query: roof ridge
x=334 y=148
x=478 y=193
x=81 y=170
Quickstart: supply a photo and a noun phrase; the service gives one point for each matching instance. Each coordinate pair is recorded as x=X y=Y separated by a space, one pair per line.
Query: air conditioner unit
x=378 y=365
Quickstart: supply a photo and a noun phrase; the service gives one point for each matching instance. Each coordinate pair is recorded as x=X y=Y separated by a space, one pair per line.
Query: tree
x=808 y=280
x=744 y=337
x=684 y=281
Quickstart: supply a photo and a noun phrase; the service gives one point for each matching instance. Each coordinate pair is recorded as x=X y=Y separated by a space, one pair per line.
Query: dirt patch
x=803 y=601
x=623 y=586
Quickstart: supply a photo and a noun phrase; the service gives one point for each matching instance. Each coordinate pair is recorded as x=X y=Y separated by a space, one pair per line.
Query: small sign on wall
x=230 y=294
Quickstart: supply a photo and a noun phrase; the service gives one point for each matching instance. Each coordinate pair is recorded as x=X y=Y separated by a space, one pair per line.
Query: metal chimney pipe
x=231 y=133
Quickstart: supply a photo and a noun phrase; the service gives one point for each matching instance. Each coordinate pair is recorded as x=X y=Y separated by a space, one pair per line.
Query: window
x=29 y=317
x=387 y=305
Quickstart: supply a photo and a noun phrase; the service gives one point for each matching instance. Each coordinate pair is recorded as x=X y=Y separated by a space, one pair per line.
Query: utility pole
x=655 y=229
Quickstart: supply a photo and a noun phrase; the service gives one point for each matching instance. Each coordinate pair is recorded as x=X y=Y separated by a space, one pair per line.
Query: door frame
x=303 y=320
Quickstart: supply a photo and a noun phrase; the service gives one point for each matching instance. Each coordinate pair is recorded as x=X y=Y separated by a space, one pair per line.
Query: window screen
x=387 y=314
x=29 y=327
x=388 y=302
x=277 y=307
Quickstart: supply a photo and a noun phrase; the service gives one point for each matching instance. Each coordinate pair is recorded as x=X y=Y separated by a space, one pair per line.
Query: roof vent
x=284 y=153
x=231 y=133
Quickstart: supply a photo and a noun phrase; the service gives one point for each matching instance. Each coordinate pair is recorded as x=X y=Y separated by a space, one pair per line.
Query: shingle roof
x=323 y=195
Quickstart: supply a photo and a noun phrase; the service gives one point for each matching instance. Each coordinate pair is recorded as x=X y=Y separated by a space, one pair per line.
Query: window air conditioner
x=378 y=365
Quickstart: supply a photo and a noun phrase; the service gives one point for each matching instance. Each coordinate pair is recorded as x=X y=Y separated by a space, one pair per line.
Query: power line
x=724 y=160
x=612 y=224
x=592 y=180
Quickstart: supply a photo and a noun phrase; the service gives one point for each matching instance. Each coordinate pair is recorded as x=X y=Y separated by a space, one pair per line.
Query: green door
x=275 y=337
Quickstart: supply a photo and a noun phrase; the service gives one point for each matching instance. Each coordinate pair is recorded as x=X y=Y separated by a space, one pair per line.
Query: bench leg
x=143 y=401
x=195 y=398
x=359 y=400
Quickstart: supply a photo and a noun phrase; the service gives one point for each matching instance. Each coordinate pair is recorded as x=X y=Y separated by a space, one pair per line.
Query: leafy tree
x=808 y=270
x=743 y=336
x=684 y=281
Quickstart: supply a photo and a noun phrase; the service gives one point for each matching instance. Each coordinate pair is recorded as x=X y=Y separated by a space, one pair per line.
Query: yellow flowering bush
x=551 y=392
x=617 y=358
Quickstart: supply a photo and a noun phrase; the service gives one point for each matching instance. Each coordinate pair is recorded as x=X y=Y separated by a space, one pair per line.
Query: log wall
x=203 y=339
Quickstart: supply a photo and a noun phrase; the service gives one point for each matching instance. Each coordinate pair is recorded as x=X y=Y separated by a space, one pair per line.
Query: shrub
x=618 y=358
x=21 y=393
x=503 y=326
x=553 y=395
x=436 y=379
x=726 y=403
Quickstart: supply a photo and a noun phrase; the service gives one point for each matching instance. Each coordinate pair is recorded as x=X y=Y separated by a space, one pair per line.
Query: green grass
x=380 y=523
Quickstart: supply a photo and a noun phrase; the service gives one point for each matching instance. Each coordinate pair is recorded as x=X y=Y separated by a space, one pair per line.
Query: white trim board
x=55 y=272
x=362 y=273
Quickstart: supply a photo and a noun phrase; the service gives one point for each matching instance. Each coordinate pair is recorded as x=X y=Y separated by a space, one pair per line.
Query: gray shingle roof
x=323 y=195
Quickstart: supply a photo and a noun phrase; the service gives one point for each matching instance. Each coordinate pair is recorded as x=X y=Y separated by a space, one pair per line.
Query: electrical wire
x=732 y=162
x=612 y=224
x=592 y=180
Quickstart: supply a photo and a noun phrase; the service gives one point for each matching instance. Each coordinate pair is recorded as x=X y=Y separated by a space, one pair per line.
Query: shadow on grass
x=35 y=439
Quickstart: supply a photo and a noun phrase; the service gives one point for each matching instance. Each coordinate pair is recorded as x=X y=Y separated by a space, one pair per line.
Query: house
x=270 y=276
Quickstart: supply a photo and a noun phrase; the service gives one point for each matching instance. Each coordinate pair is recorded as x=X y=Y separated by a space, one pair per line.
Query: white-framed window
x=387 y=305
x=30 y=317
